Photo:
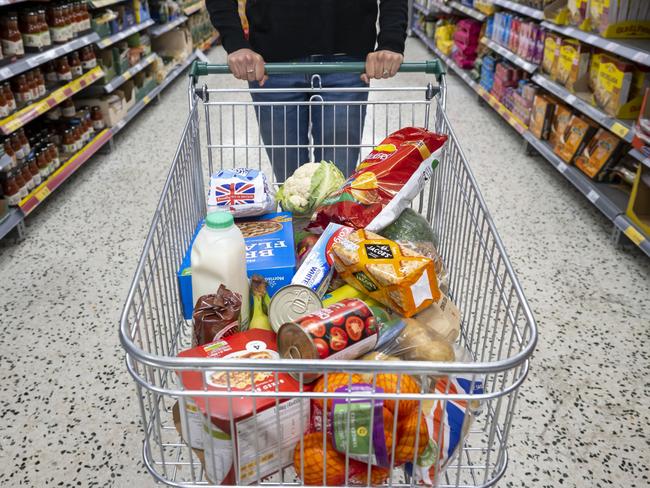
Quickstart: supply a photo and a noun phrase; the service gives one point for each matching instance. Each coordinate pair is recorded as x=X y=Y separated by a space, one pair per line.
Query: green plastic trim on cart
x=433 y=66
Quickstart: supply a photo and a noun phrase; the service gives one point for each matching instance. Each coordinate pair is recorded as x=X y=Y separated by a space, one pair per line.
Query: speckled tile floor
x=67 y=404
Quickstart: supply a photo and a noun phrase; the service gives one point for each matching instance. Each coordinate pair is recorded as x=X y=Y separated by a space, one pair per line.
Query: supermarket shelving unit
x=527 y=66
x=519 y=8
x=14 y=219
x=469 y=11
x=607 y=198
x=434 y=5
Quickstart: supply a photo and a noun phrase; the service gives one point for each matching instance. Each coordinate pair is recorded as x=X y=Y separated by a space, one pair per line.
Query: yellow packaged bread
x=393 y=275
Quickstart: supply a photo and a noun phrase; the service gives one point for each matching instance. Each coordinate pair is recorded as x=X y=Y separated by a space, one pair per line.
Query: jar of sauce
x=70 y=31
x=34 y=170
x=24 y=141
x=31 y=31
x=68 y=142
x=9 y=98
x=58 y=28
x=22 y=90
x=43 y=164
x=12 y=41
x=63 y=71
x=9 y=151
x=54 y=113
x=50 y=72
x=68 y=109
x=10 y=188
x=40 y=79
x=30 y=183
x=75 y=65
x=4 y=108
x=54 y=154
x=88 y=58
x=33 y=86
x=46 y=39
x=85 y=17
x=18 y=148
x=97 y=118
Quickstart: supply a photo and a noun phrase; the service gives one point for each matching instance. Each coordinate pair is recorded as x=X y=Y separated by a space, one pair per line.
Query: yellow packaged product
x=541 y=116
x=600 y=153
x=392 y=274
x=573 y=62
x=575 y=136
x=614 y=83
x=594 y=67
x=552 y=45
x=560 y=122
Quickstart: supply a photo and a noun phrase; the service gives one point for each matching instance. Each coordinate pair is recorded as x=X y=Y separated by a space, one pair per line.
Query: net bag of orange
x=385 y=182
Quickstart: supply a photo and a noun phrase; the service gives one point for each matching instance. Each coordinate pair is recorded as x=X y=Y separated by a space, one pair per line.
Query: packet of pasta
x=390 y=273
x=384 y=183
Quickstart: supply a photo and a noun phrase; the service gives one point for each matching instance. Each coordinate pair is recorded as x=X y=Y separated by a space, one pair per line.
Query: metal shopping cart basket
x=498 y=331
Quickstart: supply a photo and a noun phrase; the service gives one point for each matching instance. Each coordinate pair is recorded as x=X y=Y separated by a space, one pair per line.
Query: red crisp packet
x=385 y=182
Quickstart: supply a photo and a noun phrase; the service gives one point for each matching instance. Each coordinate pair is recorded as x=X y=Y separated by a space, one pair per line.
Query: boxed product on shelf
x=614 y=83
x=444 y=37
x=175 y=44
x=101 y=22
x=107 y=62
x=552 y=44
x=573 y=64
x=144 y=82
x=141 y=11
x=620 y=19
x=542 y=111
x=641 y=141
x=561 y=117
x=594 y=67
x=113 y=106
x=576 y=134
x=638 y=207
x=487 y=72
x=121 y=57
x=600 y=153
x=578 y=14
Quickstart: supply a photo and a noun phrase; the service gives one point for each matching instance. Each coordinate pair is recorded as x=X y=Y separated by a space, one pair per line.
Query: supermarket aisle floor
x=69 y=413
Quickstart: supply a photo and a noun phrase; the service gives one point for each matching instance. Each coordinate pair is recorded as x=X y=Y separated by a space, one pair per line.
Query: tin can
x=292 y=302
x=345 y=330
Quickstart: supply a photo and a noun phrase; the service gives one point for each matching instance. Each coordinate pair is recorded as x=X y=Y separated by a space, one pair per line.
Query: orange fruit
x=334 y=382
x=378 y=476
x=388 y=382
x=313 y=461
x=406 y=436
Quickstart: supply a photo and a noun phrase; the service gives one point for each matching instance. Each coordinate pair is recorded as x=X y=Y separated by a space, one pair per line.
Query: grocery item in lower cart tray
x=243 y=192
x=269 y=253
x=390 y=273
x=232 y=451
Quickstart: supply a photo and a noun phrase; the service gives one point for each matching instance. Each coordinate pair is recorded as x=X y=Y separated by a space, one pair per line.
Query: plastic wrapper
x=392 y=274
x=385 y=182
x=241 y=191
x=413 y=231
x=216 y=316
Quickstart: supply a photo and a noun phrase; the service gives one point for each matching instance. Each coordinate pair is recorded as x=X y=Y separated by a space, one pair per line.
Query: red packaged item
x=385 y=182
x=233 y=446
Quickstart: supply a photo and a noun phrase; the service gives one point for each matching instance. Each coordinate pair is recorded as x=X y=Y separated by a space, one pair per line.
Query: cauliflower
x=309 y=185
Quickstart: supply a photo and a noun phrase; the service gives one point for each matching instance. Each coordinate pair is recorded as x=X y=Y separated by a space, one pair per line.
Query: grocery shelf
x=108 y=41
x=137 y=108
x=618 y=127
x=467 y=10
x=439 y=5
x=11 y=220
x=605 y=197
x=31 y=61
x=30 y=112
x=195 y=7
x=509 y=55
x=103 y=3
x=522 y=9
x=638 y=156
x=636 y=50
x=502 y=110
x=128 y=74
x=41 y=192
x=159 y=30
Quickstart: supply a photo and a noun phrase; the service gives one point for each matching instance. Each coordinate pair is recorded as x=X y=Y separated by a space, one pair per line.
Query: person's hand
x=381 y=64
x=247 y=65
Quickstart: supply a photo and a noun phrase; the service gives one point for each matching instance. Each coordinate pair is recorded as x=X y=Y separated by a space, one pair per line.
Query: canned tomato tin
x=292 y=302
x=344 y=330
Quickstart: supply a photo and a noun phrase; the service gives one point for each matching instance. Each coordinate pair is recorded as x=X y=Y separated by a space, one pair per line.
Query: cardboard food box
x=552 y=44
x=638 y=207
x=561 y=119
x=594 y=68
x=614 y=83
x=175 y=44
x=641 y=140
x=239 y=433
x=113 y=106
x=601 y=152
x=577 y=133
x=105 y=60
x=541 y=116
x=573 y=63
x=269 y=252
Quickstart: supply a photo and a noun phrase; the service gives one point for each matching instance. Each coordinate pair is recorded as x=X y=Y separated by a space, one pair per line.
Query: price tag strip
x=14 y=122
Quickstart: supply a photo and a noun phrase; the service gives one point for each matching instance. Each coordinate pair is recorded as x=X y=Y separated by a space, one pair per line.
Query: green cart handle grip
x=433 y=66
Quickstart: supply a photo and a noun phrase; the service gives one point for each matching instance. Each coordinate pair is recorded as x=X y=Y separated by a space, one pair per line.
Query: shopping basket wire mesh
x=498 y=330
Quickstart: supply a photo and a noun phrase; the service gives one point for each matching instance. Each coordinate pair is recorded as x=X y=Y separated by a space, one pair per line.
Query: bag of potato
x=390 y=273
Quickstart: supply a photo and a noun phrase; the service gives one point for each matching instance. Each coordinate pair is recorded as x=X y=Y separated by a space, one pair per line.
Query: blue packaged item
x=269 y=253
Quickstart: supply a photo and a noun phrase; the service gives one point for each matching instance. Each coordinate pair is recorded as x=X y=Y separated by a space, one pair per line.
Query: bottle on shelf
x=9 y=98
x=32 y=86
x=24 y=141
x=22 y=90
x=70 y=31
x=4 y=106
x=18 y=148
x=85 y=17
x=27 y=175
x=63 y=71
x=56 y=21
x=67 y=108
x=97 y=119
x=75 y=65
x=21 y=181
x=30 y=30
x=40 y=79
x=12 y=41
x=50 y=73
x=88 y=58
x=34 y=170
x=10 y=188
x=54 y=154
x=46 y=39
x=43 y=165
x=9 y=151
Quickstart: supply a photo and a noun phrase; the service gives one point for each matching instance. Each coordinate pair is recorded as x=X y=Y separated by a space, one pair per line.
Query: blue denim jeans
x=327 y=123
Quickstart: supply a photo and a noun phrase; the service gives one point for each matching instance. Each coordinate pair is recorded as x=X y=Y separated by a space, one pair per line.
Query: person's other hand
x=247 y=65
x=381 y=64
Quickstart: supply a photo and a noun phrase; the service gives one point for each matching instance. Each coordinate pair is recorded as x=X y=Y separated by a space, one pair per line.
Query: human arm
x=387 y=58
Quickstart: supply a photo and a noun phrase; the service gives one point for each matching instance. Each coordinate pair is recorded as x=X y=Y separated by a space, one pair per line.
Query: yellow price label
x=42 y=194
x=620 y=130
x=634 y=235
x=146 y=99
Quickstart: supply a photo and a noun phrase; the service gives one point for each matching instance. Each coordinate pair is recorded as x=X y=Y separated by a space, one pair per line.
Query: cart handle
x=433 y=66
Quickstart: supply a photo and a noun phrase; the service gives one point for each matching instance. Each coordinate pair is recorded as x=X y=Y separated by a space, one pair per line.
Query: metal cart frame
x=498 y=329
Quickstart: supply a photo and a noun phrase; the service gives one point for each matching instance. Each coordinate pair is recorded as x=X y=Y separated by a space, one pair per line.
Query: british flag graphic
x=235 y=193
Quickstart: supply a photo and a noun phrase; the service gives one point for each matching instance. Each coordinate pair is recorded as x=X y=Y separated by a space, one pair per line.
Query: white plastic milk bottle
x=219 y=257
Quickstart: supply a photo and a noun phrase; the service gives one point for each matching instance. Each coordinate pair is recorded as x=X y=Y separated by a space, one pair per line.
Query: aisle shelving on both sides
x=608 y=199
x=15 y=216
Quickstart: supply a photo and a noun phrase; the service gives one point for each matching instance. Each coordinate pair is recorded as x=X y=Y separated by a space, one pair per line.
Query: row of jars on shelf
x=37 y=29
x=33 y=160
x=28 y=87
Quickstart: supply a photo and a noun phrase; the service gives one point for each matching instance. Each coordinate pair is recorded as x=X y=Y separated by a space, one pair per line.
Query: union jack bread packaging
x=241 y=191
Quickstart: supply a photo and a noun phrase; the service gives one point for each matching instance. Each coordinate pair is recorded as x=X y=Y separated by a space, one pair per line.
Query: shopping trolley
x=498 y=330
